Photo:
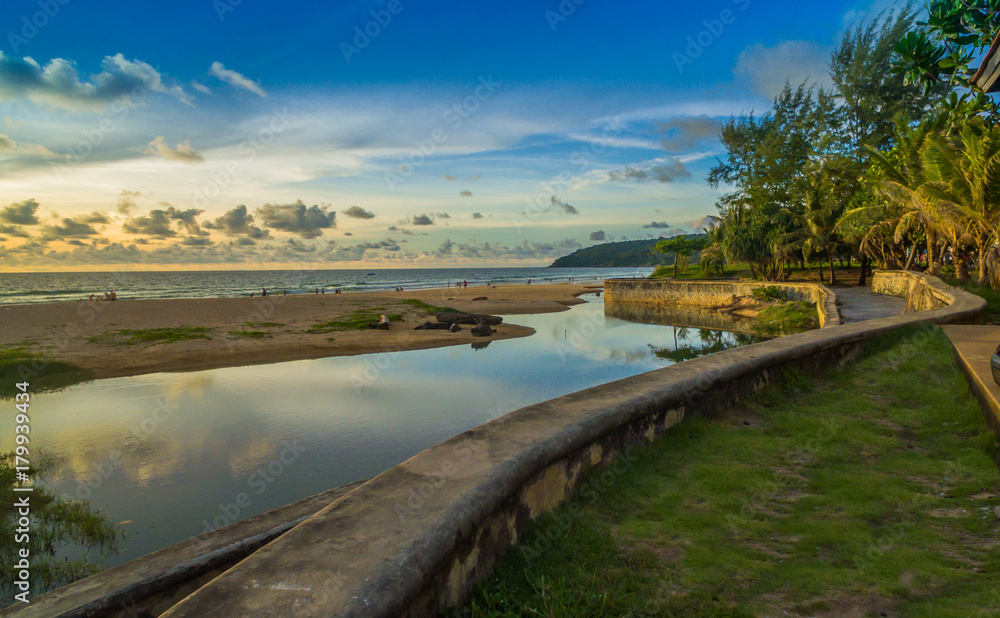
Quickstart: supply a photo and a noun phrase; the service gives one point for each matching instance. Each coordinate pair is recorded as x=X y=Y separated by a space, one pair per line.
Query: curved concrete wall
x=922 y=292
x=710 y=294
x=415 y=539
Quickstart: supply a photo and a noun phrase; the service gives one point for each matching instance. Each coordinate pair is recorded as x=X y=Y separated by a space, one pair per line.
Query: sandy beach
x=244 y=331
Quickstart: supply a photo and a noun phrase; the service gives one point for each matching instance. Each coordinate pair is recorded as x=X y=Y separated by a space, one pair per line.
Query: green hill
x=615 y=254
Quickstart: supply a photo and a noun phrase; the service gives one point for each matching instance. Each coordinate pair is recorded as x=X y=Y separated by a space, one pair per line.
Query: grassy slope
x=852 y=493
x=41 y=373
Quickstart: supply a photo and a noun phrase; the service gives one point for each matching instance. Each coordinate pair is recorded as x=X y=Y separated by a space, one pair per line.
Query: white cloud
x=184 y=152
x=8 y=145
x=58 y=84
x=219 y=71
x=767 y=68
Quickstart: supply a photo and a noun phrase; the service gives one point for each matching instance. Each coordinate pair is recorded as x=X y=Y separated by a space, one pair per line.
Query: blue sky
x=207 y=134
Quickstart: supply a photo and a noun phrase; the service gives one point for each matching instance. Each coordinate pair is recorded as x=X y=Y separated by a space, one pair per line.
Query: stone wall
x=922 y=292
x=416 y=539
x=711 y=294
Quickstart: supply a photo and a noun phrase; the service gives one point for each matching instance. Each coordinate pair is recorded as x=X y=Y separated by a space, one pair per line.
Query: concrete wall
x=416 y=539
x=712 y=294
x=922 y=292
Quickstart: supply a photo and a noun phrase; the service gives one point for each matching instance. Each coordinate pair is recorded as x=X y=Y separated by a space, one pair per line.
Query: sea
x=26 y=288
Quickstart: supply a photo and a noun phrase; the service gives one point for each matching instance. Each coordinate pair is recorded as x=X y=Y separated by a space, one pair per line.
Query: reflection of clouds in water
x=190 y=385
x=229 y=423
x=250 y=455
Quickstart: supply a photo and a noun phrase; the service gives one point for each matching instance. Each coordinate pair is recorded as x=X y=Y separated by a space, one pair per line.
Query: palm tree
x=815 y=221
x=899 y=178
x=963 y=175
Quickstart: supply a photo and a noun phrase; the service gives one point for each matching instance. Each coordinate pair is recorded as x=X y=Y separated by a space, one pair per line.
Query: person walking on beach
x=264 y=293
x=465 y=284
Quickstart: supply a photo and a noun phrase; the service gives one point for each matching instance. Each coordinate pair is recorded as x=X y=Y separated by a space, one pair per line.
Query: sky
x=227 y=134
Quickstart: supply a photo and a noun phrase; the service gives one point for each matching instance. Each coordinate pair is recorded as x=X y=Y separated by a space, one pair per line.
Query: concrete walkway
x=974 y=345
x=860 y=304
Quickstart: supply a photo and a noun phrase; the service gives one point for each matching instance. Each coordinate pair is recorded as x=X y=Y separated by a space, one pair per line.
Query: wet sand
x=86 y=333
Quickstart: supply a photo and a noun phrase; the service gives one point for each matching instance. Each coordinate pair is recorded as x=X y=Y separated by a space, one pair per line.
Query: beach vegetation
x=263 y=324
x=786 y=318
x=41 y=372
x=250 y=334
x=57 y=524
x=819 y=494
x=152 y=336
x=358 y=320
x=428 y=308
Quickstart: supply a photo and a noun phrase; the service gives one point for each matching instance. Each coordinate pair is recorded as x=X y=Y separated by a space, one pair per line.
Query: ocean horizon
x=39 y=287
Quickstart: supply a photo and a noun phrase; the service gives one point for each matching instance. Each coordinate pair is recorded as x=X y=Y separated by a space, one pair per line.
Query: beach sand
x=86 y=333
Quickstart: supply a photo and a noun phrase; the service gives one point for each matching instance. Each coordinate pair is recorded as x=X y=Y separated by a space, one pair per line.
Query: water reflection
x=176 y=454
x=649 y=313
x=711 y=341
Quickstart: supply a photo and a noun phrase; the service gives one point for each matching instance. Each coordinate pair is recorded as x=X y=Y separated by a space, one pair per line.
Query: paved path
x=859 y=304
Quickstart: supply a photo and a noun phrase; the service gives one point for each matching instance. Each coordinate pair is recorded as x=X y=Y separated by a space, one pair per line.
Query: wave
x=44 y=293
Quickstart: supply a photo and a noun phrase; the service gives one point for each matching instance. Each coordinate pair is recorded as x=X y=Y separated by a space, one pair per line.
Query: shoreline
x=241 y=331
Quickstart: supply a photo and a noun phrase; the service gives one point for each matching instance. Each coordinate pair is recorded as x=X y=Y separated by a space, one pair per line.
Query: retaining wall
x=416 y=539
x=922 y=292
x=710 y=294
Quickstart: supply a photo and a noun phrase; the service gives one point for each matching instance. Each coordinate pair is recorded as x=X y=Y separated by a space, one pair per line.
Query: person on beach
x=264 y=293
x=529 y=281
x=465 y=284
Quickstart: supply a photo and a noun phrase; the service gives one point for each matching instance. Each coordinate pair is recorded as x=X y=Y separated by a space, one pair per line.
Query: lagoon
x=173 y=455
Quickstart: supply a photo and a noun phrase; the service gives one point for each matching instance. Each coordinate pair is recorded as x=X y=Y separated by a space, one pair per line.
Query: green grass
x=250 y=334
x=359 y=320
x=991 y=296
x=786 y=319
x=850 y=489
x=733 y=271
x=770 y=293
x=153 y=336
x=419 y=304
x=41 y=373
x=264 y=324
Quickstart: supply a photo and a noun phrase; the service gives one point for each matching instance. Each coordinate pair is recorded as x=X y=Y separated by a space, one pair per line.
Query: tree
x=941 y=52
x=963 y=175
x=682 y=246
x=815 y=222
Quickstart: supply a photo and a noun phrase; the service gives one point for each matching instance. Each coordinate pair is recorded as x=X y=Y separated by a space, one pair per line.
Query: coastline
x=248 y=331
